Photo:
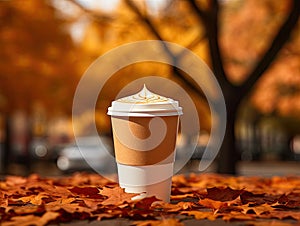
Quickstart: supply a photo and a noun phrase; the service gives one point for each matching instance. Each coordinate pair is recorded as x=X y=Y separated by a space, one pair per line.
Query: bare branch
x=174 y=58
x=98 y=17
x=210 y=22
x=144 y=19
x=192 y=45
x=156 y=33
x=202 y=14
x=280 y=39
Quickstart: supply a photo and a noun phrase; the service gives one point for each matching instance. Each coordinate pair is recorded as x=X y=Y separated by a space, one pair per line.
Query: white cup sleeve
x=144 y=175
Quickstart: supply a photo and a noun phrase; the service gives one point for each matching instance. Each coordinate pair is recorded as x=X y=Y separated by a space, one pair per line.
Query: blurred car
x=39 y=149
x=87 y=154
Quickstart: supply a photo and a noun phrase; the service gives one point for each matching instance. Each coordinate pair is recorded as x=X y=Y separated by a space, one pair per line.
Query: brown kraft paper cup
x=162 y=153
x=145 y=127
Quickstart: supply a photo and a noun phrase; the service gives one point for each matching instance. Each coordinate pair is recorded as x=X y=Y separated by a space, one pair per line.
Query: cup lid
x=145 y=104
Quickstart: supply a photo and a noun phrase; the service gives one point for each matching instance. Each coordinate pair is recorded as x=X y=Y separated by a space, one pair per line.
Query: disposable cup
x=145 y=127
x=136 y=144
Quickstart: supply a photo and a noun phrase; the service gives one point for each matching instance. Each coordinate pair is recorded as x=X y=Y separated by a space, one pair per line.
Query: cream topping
x=145 y=103
x=144 y=97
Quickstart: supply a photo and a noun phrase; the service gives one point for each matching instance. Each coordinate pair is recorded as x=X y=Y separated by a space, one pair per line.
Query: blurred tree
x=38 y=58
x=238 y=39
x=243 y=39
x=38 y=67
x=243 y=51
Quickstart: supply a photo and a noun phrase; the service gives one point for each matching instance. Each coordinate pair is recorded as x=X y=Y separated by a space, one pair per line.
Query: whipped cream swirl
x=145 y=103
x=144 y=97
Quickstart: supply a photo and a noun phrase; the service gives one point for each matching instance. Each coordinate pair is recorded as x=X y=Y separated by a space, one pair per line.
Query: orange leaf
x=33 y=199
x=258 y=210
x=237 y=216
x=212 y=204
x=101 y=216
x=67 y=205
x=183 y=196
x=284 y=215
x=29 y=220
x=169 y=207
x=164 y=222
x=269 y=223
x=199 y=215
x=81 y=197
x=116 y=196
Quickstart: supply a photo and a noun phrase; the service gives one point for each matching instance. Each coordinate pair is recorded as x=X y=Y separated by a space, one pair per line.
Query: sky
x=77 y=29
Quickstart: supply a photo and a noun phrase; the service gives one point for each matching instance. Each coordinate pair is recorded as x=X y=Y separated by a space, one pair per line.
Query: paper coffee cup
x=145 y=127
x=136 y=145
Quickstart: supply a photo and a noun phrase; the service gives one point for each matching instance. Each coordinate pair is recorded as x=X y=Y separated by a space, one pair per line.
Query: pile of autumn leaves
x=39 y=201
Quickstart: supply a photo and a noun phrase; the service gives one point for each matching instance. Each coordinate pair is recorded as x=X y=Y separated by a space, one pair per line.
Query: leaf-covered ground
x=254 y=200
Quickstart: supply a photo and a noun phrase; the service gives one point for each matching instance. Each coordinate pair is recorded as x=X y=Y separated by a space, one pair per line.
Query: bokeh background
x=252 y=46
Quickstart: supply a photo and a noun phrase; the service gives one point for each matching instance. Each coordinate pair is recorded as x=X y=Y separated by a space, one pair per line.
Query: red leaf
x=258 y=199
x=145 y=203
x=89 y=192
x=223 y=194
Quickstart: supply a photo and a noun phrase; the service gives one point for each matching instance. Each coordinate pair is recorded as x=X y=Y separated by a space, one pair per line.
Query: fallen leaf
x=223 y=194
x=27 y=209
x=70 y=205
x=101 y=216
x=284 y=215
x=145 y=203
x=200 y=215
x=33 y=199
x=29 y=200
x=183 y=196
x=291 y=200
x=237 y=216
x=116 y=196
x=169 y=207
x=212 y=204
x=92 y=203
x=164 y=222
x=258 y=210
x=89 y=192
x=268 y=223
x=261 y=198
x=30 y=220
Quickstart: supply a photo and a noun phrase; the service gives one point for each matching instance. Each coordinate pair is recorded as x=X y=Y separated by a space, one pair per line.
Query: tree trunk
x=6 y=145
x=228 y=155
